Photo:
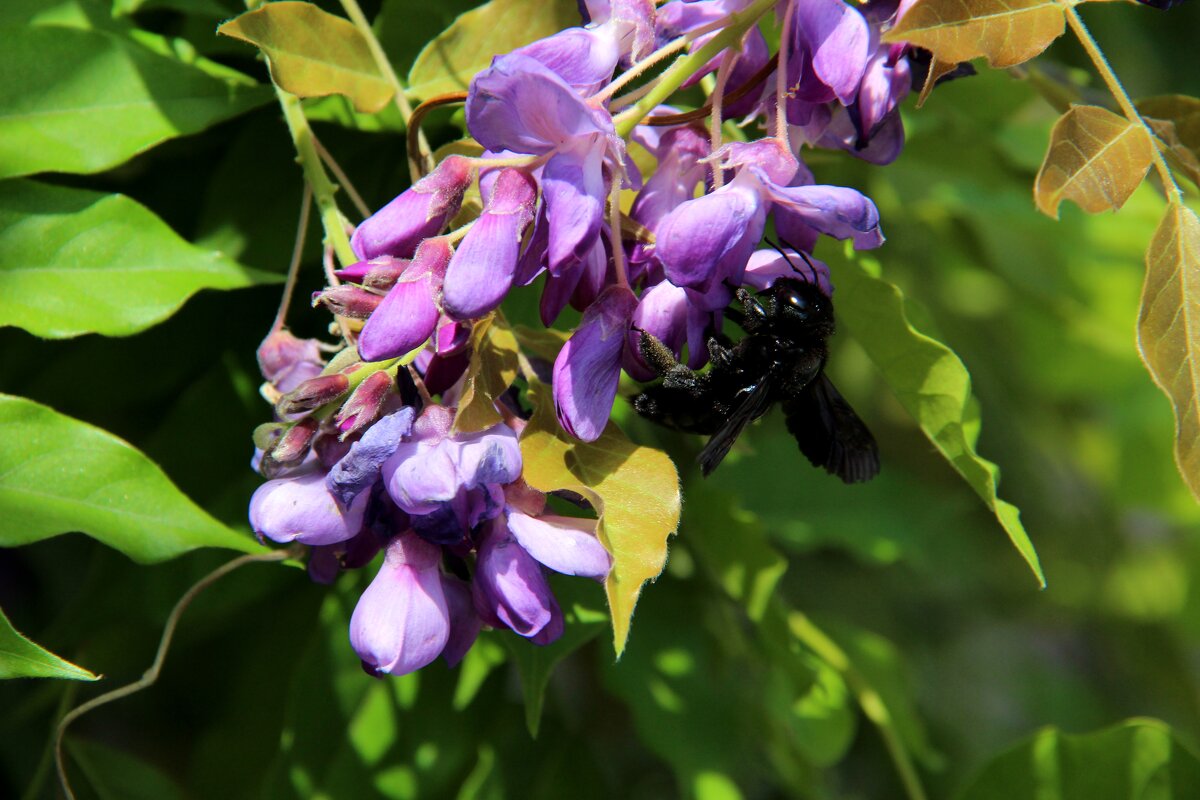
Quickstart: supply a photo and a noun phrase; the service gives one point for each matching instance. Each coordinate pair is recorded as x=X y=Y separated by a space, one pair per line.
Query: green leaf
x=535 y=663
x=1169 y=329
x=313 y=53
x=21 y=658
x=83 y=101
x=492 y=370
x=59 y=475
x=1138 y=759
x=732 y=545
x=448 y=63
x=635 y=490
x=930 y=382
x=74 y=261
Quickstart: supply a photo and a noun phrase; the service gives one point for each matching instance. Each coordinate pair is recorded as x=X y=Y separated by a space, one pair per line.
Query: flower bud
x=286 y=361
x=378 y=273
x=292 y=447
x=348 y=300
x=312 y=394
x=365 y=404
x=401 y=622
x=509 y=585
x=420 y=212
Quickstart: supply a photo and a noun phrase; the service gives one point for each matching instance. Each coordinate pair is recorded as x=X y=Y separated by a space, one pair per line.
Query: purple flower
x=509 y=587
x=564 y=544
x=408 y=314
x=402 y=622
x=300 y=508
x=449 y=484
x=420 y=212
x=481 y=271
x=465 y=623
x=588 y=367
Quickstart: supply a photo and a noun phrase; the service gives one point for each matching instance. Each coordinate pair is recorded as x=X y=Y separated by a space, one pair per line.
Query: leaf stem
x=422 y=164
x=685 y=66
x=151 y=675
x=1118 y=92
x=314 y=172
x=868 y=699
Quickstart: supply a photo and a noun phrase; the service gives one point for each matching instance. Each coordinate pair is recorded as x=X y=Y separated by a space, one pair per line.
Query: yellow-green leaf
x=1005 y=32
x=930 y=382
x=1095 y=159
x=492 y=370
x=313 y=53
x=448 y=63
x=1169 y=329
x=634 y=489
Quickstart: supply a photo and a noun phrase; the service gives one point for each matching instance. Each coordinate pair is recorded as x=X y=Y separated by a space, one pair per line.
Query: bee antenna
x=813 y=270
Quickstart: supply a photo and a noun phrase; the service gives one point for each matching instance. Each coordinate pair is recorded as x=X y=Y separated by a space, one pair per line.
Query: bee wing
x=830 y=434
x=752 y=406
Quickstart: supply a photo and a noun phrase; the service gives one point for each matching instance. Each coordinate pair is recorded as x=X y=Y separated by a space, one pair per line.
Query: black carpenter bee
x=781 y=359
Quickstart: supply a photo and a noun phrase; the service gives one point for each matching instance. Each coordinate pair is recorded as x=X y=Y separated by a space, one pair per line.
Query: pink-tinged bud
x=348 y=300
x=286 y=361
x=365 y=404
x=292 y=447
x=420 y=212
x=378 y=273
x=313 y=393
x=402 y=622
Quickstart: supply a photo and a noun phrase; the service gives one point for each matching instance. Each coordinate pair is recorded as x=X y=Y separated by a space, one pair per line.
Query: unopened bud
x=290 y=449
x=267 y=435
x=379 y=273
x=348 y=300
x=312 y=394
x=365 y=404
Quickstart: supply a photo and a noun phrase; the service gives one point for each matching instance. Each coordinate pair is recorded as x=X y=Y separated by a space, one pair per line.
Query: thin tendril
x=413 y=136
x=289 y=285
x=151 y=675
x=343 y=179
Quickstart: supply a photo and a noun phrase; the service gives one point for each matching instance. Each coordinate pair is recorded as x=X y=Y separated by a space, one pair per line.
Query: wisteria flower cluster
x=358 y=466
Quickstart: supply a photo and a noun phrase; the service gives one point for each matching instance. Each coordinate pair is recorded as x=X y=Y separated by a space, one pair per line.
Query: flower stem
x=685 y=66
x=421 y=164
x=1119 y=94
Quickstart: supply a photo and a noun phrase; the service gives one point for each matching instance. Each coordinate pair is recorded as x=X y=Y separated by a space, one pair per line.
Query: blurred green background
x=262 y=697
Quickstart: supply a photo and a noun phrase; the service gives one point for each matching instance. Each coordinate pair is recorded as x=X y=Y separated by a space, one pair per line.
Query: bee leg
x=719 y=354
x=662 y=360
x=756 y=315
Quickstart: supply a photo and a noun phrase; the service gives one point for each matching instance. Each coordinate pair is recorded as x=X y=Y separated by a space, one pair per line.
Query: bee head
x=800 y=308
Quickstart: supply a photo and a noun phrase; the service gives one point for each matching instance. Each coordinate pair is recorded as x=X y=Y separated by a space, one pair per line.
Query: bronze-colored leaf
x=1095 y=159
x=1005 y=32
x=1180 y=157
x=1182 y=110
x=634 y=489
x=492 y=370
x=313 y=53
x=1175 y=118
x=937 y=70
x=1169 y=329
